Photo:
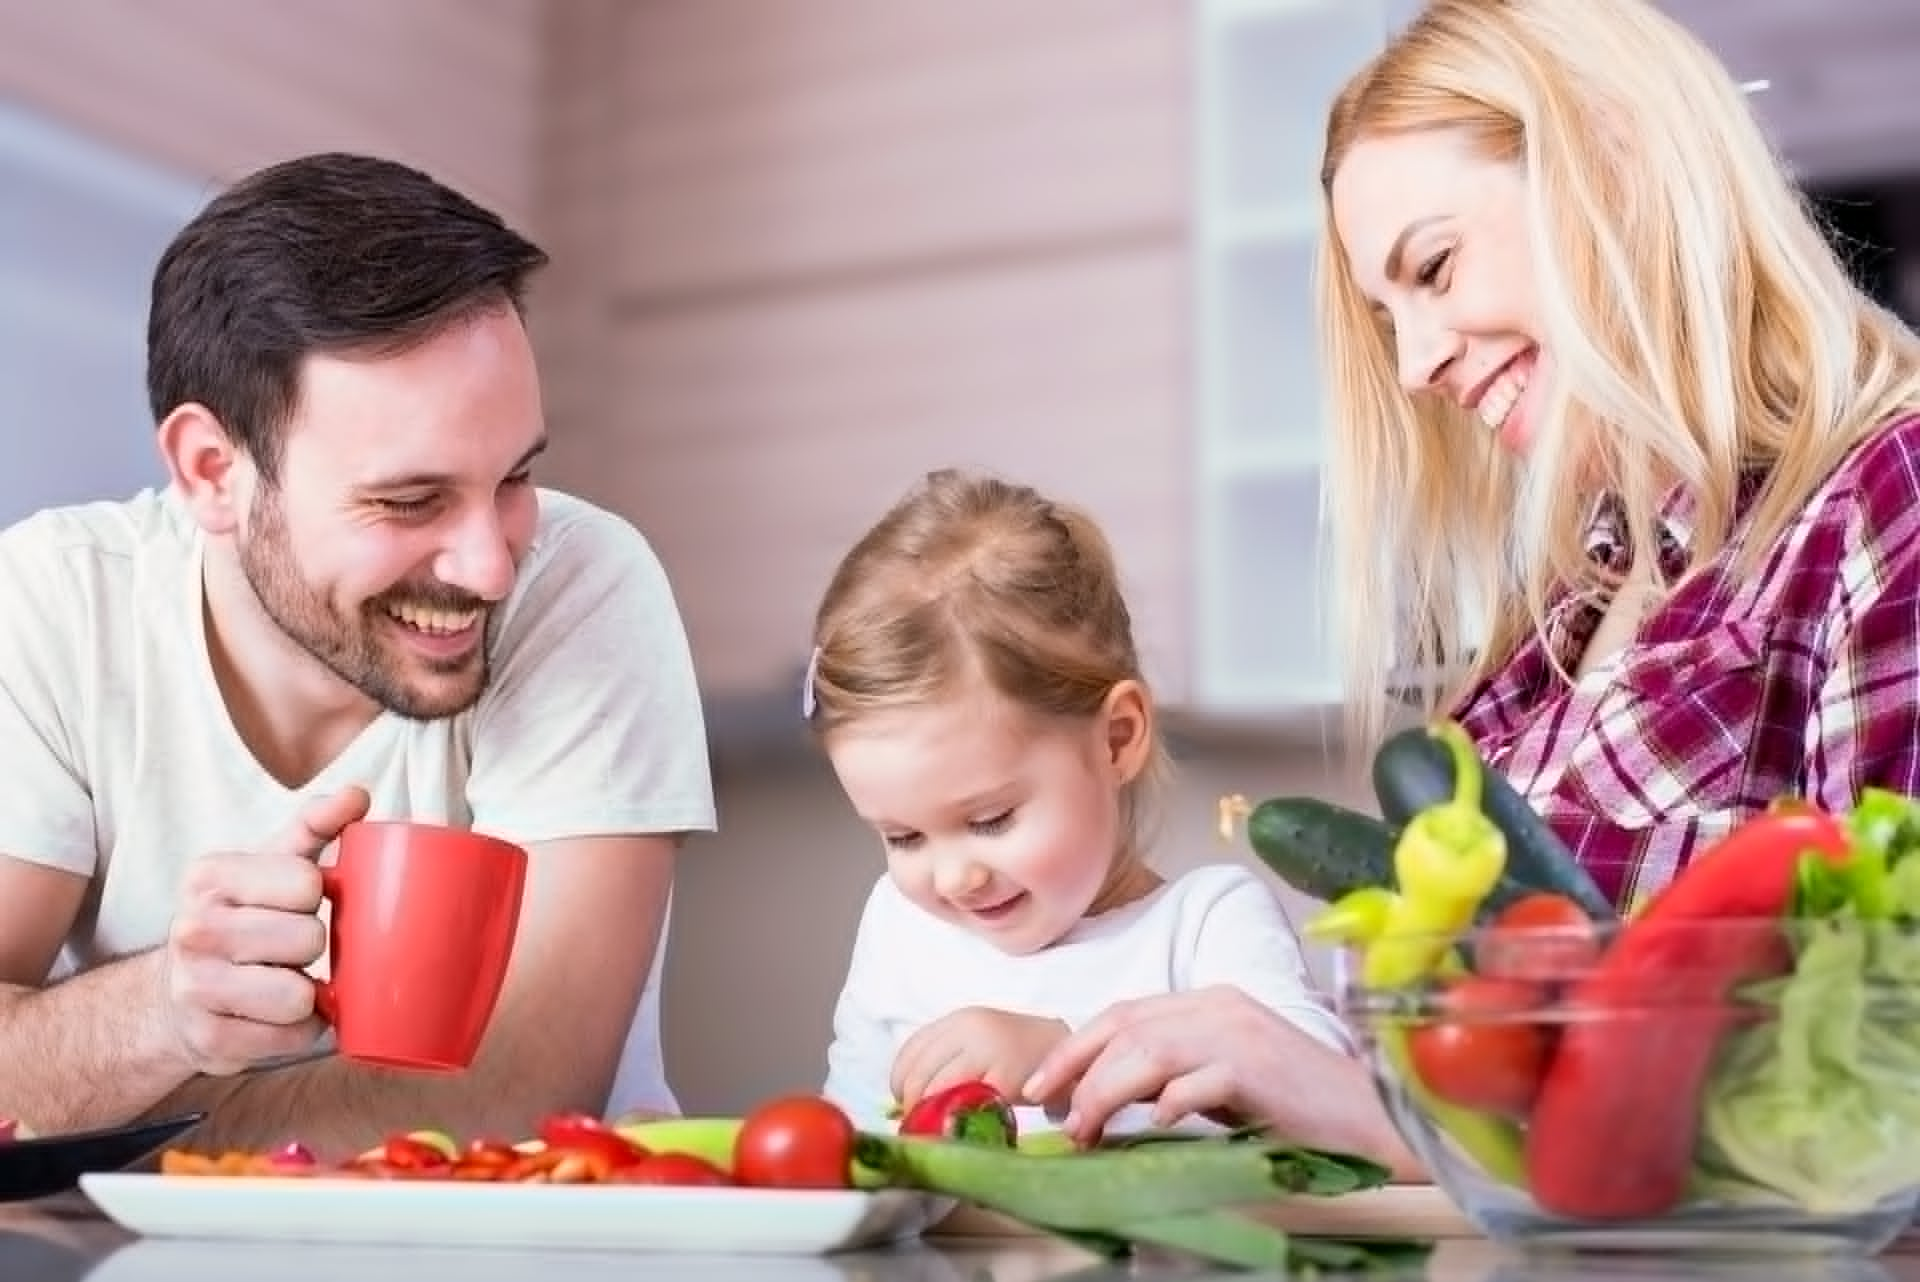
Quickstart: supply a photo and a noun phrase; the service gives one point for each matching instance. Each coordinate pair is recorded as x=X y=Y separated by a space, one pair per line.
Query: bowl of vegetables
x=1733 y=1063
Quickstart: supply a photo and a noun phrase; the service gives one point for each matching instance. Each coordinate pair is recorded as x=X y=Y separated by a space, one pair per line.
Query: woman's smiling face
x=1436 y=237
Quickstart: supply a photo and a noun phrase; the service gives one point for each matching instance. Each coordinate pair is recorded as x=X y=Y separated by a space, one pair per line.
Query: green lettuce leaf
x=1843 y=1035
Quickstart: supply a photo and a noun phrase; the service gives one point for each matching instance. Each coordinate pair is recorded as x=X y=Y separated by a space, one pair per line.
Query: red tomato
x=1538 y=937
x=683 y=1169
x=1493 y=1056
x=797 y=1142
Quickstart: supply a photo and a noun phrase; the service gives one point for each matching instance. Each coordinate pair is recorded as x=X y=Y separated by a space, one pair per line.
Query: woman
x=1590 y=359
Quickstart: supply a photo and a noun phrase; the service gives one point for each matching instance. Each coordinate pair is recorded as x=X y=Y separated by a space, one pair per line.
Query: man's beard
x=353 y=648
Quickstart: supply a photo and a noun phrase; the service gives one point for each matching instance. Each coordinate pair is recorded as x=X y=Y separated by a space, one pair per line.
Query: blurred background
x=804 y=250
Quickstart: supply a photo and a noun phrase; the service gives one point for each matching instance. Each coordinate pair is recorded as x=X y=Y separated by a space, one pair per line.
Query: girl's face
x=1436 y=237
x=1002 y=824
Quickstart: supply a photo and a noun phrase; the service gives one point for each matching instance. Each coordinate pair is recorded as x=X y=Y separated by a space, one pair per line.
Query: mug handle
x=325 y=1002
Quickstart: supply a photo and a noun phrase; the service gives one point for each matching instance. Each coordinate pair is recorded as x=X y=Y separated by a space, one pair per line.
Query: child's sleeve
x=860 y=1057
x=1243 y=939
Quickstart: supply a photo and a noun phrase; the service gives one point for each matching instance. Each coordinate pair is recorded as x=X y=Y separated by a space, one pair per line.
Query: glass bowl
x=1735 y=1084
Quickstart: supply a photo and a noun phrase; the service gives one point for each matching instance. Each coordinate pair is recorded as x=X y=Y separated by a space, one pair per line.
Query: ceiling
x=1843 y=98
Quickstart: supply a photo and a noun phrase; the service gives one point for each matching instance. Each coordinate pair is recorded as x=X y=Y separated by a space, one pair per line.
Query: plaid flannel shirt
x=1804 y=680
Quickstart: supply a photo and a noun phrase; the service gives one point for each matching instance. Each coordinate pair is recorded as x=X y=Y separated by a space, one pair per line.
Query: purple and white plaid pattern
x=1803 y=680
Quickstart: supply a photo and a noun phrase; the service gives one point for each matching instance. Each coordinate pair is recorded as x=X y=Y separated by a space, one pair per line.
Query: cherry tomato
x=681 y=1169
x=1484 y=1050
x=797 y=1142
x=1540 y=937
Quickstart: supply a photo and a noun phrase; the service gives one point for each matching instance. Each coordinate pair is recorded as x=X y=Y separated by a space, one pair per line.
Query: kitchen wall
x=801 y=253
x=818 y=250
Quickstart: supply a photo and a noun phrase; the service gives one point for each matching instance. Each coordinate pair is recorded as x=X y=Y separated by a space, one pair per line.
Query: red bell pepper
x=1612 y=1131
x=970 y=1111
x=591 y=1138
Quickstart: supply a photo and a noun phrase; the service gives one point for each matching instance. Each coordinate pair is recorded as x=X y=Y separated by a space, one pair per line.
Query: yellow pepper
x=1451 y=852
x=1446 y=861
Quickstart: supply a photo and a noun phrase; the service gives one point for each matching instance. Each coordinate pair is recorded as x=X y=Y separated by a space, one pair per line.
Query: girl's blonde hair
x=968 y=579
x=1700 y=326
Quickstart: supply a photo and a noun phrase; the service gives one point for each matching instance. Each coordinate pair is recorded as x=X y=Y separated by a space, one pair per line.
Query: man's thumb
x=320 y=821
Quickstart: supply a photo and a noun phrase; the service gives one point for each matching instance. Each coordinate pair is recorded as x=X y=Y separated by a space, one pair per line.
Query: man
x=350 y=598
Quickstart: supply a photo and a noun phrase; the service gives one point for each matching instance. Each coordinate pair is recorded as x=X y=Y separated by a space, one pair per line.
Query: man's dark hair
x=326 y=253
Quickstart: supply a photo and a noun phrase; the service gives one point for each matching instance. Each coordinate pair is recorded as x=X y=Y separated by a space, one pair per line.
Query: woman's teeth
x=1501 y=397
x=442 y=622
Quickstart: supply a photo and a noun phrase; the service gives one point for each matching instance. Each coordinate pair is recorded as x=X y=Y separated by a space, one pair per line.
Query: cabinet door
x=1269 y=70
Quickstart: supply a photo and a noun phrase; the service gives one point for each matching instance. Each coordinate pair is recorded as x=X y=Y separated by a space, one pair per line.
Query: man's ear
x=1127 y=725
x=207 y=469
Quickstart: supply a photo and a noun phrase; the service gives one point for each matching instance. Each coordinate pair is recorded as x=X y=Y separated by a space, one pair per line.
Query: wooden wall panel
x=770 y=142
x=218 y=87
x=755 y=444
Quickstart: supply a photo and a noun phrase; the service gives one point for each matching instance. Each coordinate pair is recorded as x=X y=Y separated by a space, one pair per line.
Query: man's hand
x=998 y=1047
x=244 y=929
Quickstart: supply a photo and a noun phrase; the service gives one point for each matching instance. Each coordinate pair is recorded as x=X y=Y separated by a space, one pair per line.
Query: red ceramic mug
x=422 y=928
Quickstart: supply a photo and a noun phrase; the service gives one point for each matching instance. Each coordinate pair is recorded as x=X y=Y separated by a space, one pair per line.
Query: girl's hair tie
x=808 y=702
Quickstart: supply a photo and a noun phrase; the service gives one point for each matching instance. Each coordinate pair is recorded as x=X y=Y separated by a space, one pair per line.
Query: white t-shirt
x=120 y=761
x=1217 y=924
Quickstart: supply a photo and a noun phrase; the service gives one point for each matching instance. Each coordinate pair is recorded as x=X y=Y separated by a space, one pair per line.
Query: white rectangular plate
x=544 y=1217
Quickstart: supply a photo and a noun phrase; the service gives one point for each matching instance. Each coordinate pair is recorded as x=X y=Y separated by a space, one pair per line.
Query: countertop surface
x=63 y=1239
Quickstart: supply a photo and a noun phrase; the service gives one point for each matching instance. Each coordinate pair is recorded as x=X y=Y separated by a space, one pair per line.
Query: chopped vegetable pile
x=1744 y=1037
x=1174 y=1191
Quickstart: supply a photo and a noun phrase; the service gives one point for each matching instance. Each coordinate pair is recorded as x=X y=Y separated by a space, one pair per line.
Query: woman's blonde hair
x=971 y=581
x=1699 y=323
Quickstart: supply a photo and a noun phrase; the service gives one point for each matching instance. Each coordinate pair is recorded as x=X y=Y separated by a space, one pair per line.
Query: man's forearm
x=89 y=1051
x=337 y=1108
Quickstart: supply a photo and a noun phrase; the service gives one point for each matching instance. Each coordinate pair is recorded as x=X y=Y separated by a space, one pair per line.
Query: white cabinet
x=1267 y=71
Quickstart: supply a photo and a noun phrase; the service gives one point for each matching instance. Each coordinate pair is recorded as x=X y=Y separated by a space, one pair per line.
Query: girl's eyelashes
x=978 y=827
x=989 y=827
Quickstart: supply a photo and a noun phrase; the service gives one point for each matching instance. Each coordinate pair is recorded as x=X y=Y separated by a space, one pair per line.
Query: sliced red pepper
x=407 y=1153
x=587 y=1135
x=970 y=1111
x=1612 y=1131
x=680 y=1169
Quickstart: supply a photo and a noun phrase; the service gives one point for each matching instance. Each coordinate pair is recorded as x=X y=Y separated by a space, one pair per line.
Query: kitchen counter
x=65 y=1239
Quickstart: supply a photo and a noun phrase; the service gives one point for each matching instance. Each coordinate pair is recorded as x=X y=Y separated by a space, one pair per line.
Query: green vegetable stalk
x=1176 y=1191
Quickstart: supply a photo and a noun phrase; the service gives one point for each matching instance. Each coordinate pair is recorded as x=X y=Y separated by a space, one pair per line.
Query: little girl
x=974 y=684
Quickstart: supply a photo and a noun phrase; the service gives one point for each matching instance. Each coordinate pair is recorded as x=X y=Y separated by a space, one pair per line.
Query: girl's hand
x=999 y=1047
x=1217 y=1052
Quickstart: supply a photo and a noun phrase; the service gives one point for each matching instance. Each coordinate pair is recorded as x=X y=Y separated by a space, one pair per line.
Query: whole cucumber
x=1414 y=770
x=1325 y=850
x=1319 y=848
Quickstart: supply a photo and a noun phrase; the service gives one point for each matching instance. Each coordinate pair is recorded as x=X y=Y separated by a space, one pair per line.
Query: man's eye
x=407 y=507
